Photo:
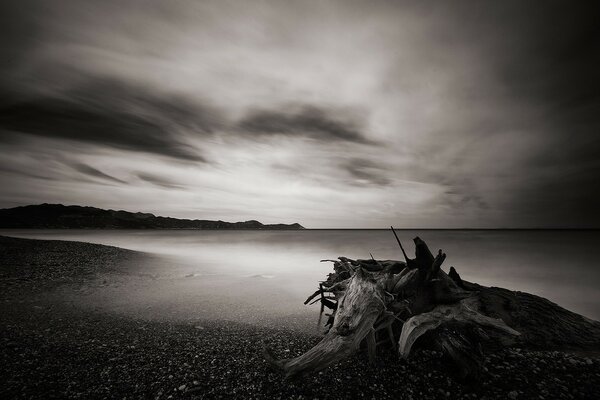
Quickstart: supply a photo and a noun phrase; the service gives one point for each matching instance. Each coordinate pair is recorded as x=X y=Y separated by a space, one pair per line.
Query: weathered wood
x=312 y=296
x=408 y=282
x=456 y=278
x=417 y=325
x=412 y=298
x=408 y=261
x=465 y=352
x=435 y=266
x=423 y=257
x=356 y=313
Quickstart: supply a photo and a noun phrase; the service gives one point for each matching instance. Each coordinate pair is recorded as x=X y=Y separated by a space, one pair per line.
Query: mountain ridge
x=59 y=216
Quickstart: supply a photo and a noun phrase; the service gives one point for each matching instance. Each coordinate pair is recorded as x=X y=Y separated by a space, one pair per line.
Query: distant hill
x=58 y=216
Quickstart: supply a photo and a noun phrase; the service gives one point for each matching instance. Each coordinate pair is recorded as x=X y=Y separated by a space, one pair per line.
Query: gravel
x=54 y=350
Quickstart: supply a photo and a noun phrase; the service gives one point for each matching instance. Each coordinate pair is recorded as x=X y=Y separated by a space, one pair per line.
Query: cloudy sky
x=327 y=113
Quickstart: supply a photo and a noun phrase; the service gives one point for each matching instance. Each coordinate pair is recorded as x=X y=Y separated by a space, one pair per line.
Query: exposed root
x=378 y=301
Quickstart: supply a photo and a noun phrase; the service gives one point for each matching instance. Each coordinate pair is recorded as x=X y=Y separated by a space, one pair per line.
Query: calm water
x=240 y=273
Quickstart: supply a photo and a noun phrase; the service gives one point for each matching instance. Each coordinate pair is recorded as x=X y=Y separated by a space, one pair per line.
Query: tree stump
x=393 y=304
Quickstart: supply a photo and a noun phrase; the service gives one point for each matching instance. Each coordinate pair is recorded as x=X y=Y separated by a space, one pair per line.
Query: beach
x=56 y=347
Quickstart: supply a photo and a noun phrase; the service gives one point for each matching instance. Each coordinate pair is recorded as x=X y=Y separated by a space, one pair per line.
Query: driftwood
x=396 y=302
x=404 y=305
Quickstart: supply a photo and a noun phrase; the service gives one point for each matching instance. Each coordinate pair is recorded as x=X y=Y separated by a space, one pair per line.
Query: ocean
x=260 y=276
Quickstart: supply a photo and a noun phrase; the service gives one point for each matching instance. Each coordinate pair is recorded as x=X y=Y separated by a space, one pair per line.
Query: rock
x=513 y=394
x=182 y=387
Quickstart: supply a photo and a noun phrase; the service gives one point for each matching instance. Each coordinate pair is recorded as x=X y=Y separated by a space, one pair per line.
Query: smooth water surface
x=240 y=273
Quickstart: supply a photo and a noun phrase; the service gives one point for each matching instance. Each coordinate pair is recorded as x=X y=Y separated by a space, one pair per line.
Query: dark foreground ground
x=52 y=349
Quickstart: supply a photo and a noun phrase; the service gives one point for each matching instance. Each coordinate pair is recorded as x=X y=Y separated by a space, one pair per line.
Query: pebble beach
x=55 y=349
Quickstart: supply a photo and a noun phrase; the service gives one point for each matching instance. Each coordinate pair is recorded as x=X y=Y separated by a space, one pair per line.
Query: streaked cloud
x=96 y=173
x=309 y=121
x=367 y=172
x=158 y=181
x=113 y=114
x=337 y=113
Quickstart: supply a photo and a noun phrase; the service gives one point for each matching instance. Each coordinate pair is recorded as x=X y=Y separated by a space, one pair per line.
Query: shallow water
x=240 y=274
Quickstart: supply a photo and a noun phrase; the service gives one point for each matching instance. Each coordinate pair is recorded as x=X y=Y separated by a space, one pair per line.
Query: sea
x=264 y=276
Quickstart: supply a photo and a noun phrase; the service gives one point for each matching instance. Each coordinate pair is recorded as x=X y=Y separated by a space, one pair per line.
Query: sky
x=332 y=114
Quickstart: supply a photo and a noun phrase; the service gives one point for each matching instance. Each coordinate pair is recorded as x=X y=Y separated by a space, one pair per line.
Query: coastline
x=55 y=349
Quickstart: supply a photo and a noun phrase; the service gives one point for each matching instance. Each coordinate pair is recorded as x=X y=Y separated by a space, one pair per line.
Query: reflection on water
x=274 y=271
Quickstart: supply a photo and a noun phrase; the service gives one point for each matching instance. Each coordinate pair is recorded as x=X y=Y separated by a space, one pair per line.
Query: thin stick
x=322 y=304
x=401 y=248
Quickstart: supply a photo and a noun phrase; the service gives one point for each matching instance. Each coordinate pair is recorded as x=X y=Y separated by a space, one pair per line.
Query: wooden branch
x=423 y=257
x=337 y=286
x=328 y=303
x=408 y=261
x=406 y=282
x=320 y=299
x=435 y=266
x=312 y=296
x=456 y=278
x=357 y=311
x=395 y=278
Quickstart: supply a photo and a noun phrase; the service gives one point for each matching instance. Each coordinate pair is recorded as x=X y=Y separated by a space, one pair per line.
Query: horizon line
x=315 y=229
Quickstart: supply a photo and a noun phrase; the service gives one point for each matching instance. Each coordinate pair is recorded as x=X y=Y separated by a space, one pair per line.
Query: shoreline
x=57 y=350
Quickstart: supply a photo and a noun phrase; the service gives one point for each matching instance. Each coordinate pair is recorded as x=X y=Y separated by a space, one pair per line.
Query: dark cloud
x=159 y=181
x=571 y=201
x=545 y=63
x=311 y=121
x=546 y=54
x=552 y=53
x=91 y=171
x=366 y=172
x=562 y=186
x=19 y=33
x=492 y=106
x=113 y=114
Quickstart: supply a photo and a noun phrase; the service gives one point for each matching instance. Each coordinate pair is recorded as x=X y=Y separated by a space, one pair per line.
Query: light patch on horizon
x=330 y=114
